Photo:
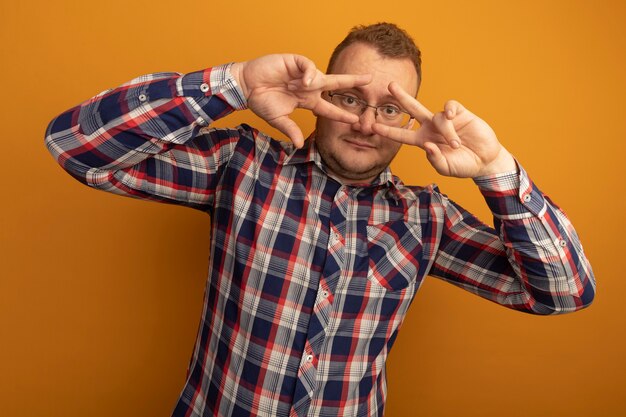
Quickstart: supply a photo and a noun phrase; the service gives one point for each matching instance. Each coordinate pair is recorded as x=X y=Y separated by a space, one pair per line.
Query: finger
x=289 y=128
x=452 y=109
x=307 y=68
x=445 y=126
x=436 y=158
x=308 y=83
x=399 y=134
x=321 y=82
x=324 y=108
x=409 y=103
x=329 y=82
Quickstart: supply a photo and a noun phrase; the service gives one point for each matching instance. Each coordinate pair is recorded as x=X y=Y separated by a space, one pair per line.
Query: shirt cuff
x=504 y=181
x=215 y=81
x=511 y=195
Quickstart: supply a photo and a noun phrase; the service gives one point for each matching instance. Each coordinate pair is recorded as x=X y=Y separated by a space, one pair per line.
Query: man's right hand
x=275 y=85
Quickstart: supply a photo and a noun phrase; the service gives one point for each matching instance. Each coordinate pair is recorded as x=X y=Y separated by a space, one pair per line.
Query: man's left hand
x=457 y=142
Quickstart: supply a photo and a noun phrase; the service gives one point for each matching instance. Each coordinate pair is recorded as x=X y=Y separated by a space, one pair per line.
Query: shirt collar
x=309 y=153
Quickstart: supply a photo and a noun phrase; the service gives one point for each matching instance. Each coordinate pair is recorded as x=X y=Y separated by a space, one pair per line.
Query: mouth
x=361 y=144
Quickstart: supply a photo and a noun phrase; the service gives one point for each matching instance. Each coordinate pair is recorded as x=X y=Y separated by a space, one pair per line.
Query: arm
x=145 y=138
x=142 y=139
x=533 y=260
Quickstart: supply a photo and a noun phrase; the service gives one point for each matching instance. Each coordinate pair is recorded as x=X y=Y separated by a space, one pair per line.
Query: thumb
x=289 y=128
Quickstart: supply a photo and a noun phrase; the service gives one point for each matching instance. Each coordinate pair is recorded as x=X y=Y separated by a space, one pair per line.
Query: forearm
x=118 y=131
x=533 y=260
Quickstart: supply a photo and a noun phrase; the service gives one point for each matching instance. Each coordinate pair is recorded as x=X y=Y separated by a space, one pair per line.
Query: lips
x=360 y=143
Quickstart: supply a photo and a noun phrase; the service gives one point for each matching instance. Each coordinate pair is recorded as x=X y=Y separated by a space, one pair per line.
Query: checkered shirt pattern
x=309 y=279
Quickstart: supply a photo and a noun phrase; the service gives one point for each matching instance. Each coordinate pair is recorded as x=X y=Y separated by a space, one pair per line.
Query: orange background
x=100 y=296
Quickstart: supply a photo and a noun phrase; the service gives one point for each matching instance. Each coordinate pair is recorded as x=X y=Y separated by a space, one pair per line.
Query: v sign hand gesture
x=275 y=85
x=457 y=142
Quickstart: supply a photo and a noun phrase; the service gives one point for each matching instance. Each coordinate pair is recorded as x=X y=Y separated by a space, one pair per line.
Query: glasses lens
x=389 y=115
x=393 y=116
x=346 y=102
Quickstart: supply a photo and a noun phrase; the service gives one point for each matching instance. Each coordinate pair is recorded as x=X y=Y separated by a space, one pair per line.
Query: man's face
x=353 y=153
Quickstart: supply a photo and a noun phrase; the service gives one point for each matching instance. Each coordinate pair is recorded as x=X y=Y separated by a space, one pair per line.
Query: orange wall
x=100 y=296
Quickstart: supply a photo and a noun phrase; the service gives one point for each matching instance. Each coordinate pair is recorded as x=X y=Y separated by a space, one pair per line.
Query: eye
x=349 y=101
x=389 y=111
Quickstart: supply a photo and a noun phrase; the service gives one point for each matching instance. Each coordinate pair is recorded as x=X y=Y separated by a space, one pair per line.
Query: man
x=317 y=250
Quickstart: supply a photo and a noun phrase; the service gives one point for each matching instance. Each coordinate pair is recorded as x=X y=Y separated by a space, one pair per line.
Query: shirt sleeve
x=149 y=137
x=531 y=260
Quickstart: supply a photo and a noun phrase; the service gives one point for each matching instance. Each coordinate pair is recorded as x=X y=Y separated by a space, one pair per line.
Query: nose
x=366 y=120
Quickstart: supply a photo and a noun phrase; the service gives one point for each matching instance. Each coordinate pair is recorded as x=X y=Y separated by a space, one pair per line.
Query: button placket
x=334 y=238
x=322 y=300
x=322 y=310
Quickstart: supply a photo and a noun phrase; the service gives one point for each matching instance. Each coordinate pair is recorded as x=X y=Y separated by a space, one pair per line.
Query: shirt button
x=309 y=358
x=527 y=198
x=201 y=121
x=204 y=87
x=562 y=243
x=325 y=294
x=142 y=97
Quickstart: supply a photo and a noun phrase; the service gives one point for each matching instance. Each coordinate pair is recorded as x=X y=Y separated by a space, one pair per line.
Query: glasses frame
x=365 y=105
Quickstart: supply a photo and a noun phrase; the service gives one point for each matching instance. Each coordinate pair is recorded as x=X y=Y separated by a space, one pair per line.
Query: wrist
x=236 y=71
x=503 y=163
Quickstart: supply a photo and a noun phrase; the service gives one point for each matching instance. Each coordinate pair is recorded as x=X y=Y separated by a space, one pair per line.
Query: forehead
x=360 y=58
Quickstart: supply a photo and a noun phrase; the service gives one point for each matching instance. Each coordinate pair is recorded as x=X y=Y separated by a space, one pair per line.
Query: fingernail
x=455 y=144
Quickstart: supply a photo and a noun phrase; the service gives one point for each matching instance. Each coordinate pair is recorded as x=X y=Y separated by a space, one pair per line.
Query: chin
x=359 y=172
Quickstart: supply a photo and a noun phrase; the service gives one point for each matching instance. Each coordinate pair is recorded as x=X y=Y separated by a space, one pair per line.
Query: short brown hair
x=388 y=39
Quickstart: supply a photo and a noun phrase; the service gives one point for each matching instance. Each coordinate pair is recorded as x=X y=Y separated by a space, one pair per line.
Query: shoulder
x=249 y=137
x=249 y=145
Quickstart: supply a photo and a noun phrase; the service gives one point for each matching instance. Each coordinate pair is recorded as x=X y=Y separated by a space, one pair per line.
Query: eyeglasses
x=389 y=114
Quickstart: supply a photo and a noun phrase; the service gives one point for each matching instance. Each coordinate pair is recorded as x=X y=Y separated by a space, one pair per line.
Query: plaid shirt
x=310 y=279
